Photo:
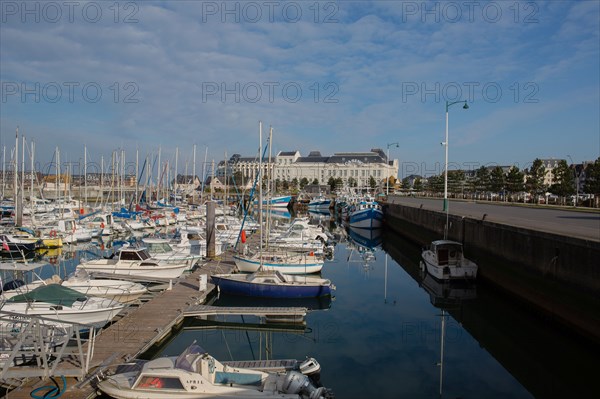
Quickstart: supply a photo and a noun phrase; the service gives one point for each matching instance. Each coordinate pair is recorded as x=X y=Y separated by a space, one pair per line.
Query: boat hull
x=466 y=271
x=234 y=286
x=249 y=265
x=366 y=219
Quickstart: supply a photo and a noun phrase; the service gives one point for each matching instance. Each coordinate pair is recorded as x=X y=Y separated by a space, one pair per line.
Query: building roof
x=287 y=153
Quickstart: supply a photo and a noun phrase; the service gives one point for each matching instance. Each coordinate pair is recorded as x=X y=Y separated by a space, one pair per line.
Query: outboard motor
x=299 y=384
x=310 y=366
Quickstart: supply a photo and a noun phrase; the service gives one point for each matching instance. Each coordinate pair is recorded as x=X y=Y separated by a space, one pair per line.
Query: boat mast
x=22 y=201
x=32 y=181
x=175 y=183
x=194 y=175
x=84 y=175
x=15 y=175
x=260 y=200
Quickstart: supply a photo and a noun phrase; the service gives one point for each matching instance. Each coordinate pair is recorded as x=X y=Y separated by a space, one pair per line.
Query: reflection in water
x=543 y=356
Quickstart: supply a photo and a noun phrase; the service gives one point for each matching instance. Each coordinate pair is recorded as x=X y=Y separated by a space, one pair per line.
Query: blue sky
x=328 y=76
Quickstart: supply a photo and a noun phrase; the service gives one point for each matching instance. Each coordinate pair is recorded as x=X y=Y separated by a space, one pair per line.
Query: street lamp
x=445 y=144
x=576 y=181
x=387 y=185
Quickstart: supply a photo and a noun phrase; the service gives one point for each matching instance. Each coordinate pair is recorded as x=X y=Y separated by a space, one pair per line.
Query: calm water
x=380 y=335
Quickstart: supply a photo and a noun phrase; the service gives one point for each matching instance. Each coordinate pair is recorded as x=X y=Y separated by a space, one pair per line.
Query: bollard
x=203 y=282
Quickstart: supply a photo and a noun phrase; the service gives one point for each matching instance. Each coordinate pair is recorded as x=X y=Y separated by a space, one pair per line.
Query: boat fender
x=101 y=225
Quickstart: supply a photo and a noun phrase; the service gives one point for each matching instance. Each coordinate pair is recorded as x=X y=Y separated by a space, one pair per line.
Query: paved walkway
x=577 y=223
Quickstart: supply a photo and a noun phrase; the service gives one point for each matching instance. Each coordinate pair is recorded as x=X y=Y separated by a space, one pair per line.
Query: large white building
x=357 y=167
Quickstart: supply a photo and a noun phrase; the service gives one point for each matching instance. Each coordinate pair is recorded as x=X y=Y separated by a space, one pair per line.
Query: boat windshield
x=185 y=361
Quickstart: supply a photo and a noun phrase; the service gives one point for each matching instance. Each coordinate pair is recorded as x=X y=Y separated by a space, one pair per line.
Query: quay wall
x=557 y=274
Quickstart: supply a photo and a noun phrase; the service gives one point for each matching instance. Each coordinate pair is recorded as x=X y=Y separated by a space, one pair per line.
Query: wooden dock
x=146 y=325
x=139 y=329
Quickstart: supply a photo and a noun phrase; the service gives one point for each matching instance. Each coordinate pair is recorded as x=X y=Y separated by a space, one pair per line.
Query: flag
x=5 y=245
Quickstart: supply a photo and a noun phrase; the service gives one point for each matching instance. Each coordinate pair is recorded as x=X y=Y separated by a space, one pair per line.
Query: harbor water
x=381 y=335
x=390 y=331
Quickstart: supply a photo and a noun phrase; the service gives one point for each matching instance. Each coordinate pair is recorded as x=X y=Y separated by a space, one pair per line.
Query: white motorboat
x=134 y=264
x=160 y=248
x=58 y=305
x=445 y=260
x=195 y=374
x=118 y=290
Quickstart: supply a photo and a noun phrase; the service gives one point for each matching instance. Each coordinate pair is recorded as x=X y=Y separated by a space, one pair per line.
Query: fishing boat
x=276 y=202
x=135 y=264
x=58 y=305
x=445 y=260
x=367 y=214
x=273 y=285
x=195 y=374
x=319 y=203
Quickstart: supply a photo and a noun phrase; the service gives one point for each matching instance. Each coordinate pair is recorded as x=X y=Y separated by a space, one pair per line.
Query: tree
x=563 y=182
x=315 y=181
x=435 y=184
x=514 y=180
x=456 y=179
x=331 y=183
x=592 y=178
x=303 y=182
x=339 y=182
x=418 y=184
x=497 y=182
x=352 y=182
x=482 y=179
x=295 y=183
x=372 y=182
x=286 y=185
x=535 y=178
x=406 y=183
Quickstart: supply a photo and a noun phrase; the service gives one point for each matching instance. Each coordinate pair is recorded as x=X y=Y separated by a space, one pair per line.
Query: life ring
x=52 y=233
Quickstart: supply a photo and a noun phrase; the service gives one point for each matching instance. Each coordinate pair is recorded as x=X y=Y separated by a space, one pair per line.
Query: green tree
x=515 y=180
x=331 y=183
x=303 y=182
x=285 y=185
x=315 y=181
x=406 y=183
x=339 y=183
x=418 y=184
x=456 y=179
x=497 y=180
x=592 y=177
x=435 y=184
x=563 y=181
x=352 y=182
x=482 y=179
x=372 y=182
x=535 y=178
x=278 y=185
x=295 y=183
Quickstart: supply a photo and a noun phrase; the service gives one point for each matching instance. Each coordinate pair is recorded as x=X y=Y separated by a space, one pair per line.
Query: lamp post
x=445 y=144
x=576 y=181
x=387 y=184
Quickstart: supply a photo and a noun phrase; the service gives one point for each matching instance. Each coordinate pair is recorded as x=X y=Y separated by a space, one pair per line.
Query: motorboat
x=196 y=374
x=134 y=264
x=160 y=248
x=118 y=290
x=445 y=260
x=272 y=284
x=58 y=305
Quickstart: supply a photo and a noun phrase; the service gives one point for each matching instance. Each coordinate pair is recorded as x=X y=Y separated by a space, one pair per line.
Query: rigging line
x=226 y=344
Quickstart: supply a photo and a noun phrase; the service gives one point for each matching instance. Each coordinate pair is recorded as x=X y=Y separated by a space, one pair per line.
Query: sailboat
x=270 y=270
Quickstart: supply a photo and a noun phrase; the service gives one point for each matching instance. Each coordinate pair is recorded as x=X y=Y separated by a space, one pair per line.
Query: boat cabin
x=447 y=252
x=134 y=254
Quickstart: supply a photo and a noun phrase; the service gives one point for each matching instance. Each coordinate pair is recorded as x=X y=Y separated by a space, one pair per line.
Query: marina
x=381 y=267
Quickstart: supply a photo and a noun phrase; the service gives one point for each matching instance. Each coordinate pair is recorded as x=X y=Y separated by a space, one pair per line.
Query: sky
x=331 y=76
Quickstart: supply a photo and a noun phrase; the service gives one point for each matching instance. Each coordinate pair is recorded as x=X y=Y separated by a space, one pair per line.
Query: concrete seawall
x=557 y=274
